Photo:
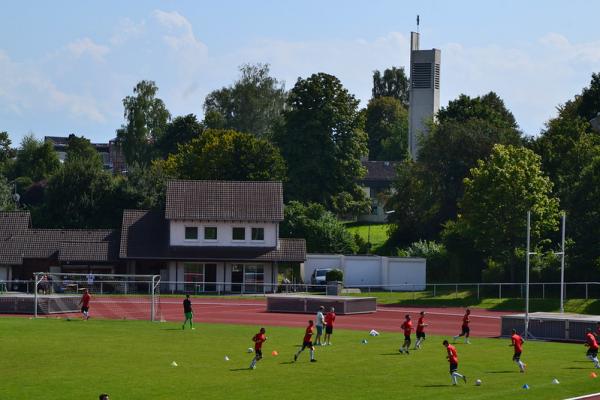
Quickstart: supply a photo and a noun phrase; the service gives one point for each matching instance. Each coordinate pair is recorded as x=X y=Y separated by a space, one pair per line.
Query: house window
x=191 y=233
x=258 y=233
x=193 y=276
x=210 y=233
x=254 y=278
x=239 y=233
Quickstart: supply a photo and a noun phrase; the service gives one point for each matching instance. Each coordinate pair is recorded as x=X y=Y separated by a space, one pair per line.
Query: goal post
x=113 y=296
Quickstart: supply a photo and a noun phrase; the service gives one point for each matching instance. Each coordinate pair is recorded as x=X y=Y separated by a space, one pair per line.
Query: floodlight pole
x=562 y=264
x=526 y=333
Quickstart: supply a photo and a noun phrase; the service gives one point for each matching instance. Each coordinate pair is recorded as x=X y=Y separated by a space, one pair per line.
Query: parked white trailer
x=389 y=273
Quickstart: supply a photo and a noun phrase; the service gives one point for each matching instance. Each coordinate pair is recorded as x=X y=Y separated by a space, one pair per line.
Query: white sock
x=596 y=363
x=453 y=379
x=457 y=375
x=466 y=339
x=521 y=365
x=312 y=354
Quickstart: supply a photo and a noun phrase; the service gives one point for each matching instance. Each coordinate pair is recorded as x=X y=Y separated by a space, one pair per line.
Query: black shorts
x=307 y=344
x=465 y=330
x=407 y=337
x=453 y=367
x=517 y=356
x=258 y=352
x=420 y=335
x=592 y=352
x=84 y=309
x=329 y=329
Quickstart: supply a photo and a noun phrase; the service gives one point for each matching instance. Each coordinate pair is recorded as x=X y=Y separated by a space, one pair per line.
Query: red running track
x=441 y=321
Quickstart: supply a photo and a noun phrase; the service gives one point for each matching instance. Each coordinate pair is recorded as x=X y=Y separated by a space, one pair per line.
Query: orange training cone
x=274 y=353
x=593 y=375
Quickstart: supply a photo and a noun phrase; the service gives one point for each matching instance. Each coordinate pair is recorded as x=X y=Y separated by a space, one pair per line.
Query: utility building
x=424 y=91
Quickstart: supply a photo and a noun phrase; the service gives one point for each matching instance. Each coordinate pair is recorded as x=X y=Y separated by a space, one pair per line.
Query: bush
x=335 y=275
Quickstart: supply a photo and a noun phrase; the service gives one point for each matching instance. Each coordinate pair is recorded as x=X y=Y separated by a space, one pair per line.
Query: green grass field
x=59 y=359
x=378 y=236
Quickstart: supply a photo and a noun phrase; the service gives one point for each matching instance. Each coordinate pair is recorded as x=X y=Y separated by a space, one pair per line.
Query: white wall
x=385 y=272
x=224 y=234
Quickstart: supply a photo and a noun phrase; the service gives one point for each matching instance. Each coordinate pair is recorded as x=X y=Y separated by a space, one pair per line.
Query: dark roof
x=145 y=235
x=18 y=241
x=224 y=201
x=380 y=171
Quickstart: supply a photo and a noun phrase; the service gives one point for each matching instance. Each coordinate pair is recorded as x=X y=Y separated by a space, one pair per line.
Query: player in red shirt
x=590 y=342
x=85 y=304
x=307 y=342
x=420 y=330
x=407 y=327
x=258 y=340
x=517 y=343
x=453 y=360
x=329 y=320
x=465 y=327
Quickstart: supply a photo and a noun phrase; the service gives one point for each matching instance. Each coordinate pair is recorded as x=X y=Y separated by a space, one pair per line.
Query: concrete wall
x=224 y=234
x=385 y=272
x=5 y=273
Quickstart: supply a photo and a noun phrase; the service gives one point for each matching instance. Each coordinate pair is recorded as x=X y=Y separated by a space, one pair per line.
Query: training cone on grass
x=274 y=353
x=593 y=375
x=226 y=358
x=173 y=364
x=525 y=386
x=250 y=350
x=374 y=332
x=364 y=341
x=555 y=381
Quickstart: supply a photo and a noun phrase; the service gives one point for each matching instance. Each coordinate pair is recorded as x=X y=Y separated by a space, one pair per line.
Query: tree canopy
x=36 y=159
x=253 y=104
x=323 y=142
x=392 y=83
x=386 y=125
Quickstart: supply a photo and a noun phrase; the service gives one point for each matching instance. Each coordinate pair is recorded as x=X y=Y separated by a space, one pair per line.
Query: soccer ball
x=250 y=350
x=478 y=382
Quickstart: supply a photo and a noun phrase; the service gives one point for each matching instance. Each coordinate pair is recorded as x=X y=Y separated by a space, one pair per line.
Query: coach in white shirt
x=320 y=322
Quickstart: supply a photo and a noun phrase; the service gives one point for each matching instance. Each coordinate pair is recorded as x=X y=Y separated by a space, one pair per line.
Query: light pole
x=562 y=263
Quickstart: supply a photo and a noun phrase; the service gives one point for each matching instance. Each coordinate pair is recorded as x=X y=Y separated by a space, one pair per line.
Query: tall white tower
x=424 y=91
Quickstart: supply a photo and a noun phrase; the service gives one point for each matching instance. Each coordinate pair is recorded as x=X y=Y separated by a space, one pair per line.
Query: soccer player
x=85 y=304
x=187 y=311
x=103 y=396
x=307 y=342
x=517 y=343
x=465 y=327
x=420 y=330
x=258 y=340
x=329 y=320
x=453 y=360
x=592 y=353
x=407 y=326
x=320 y=322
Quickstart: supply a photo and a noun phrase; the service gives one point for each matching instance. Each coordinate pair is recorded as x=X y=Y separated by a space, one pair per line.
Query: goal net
x=113 y=296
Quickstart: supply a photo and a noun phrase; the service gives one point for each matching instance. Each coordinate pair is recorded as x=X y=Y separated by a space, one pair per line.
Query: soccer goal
x=113 y=296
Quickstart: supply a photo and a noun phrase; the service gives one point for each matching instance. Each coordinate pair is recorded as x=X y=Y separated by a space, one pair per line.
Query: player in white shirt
x=320 y=322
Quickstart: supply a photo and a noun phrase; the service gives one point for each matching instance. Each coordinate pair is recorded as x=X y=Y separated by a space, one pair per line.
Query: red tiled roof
x=224 y=201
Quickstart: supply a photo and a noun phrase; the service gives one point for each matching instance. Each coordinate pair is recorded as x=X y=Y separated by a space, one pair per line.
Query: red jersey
x=330 y=318
x=591 y=341
x=517 y=342
x=309 y=332
x=259 y=339
x=407 y=326
x=466 y=320
x=452 y=355
x=420 y=324
x=85 y=300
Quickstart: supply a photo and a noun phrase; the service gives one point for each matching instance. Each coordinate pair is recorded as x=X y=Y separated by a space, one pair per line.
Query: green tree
x=588 y=103
x=253 y=104
x=392 y=83
x=489 y=107
x=80 y=195
x=36 y=159
x=323 y=232
x=180 y=130
x=227 y=155
x=143 y=187
x=498 y=194
x=386 y=125
x=80 y=148
x=146 y=120
x=6 y=151
x=323 y=142
x=7 y=202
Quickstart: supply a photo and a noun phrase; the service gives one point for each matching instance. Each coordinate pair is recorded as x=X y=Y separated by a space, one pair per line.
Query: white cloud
x=86 y=46
x=127 y=29
x=27 y=92
x=181 y=36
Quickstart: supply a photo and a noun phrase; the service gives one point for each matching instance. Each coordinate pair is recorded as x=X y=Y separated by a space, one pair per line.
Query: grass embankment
x=467 y=299
x=52 y=359
x=378 y=235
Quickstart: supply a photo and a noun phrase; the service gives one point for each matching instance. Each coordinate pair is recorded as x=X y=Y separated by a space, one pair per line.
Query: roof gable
x=224 y=201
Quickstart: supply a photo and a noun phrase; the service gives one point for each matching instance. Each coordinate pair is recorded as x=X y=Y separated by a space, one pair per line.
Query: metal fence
x=498 y=290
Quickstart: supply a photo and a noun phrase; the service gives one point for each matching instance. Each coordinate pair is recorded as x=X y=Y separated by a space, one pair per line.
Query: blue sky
x=65 y=66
